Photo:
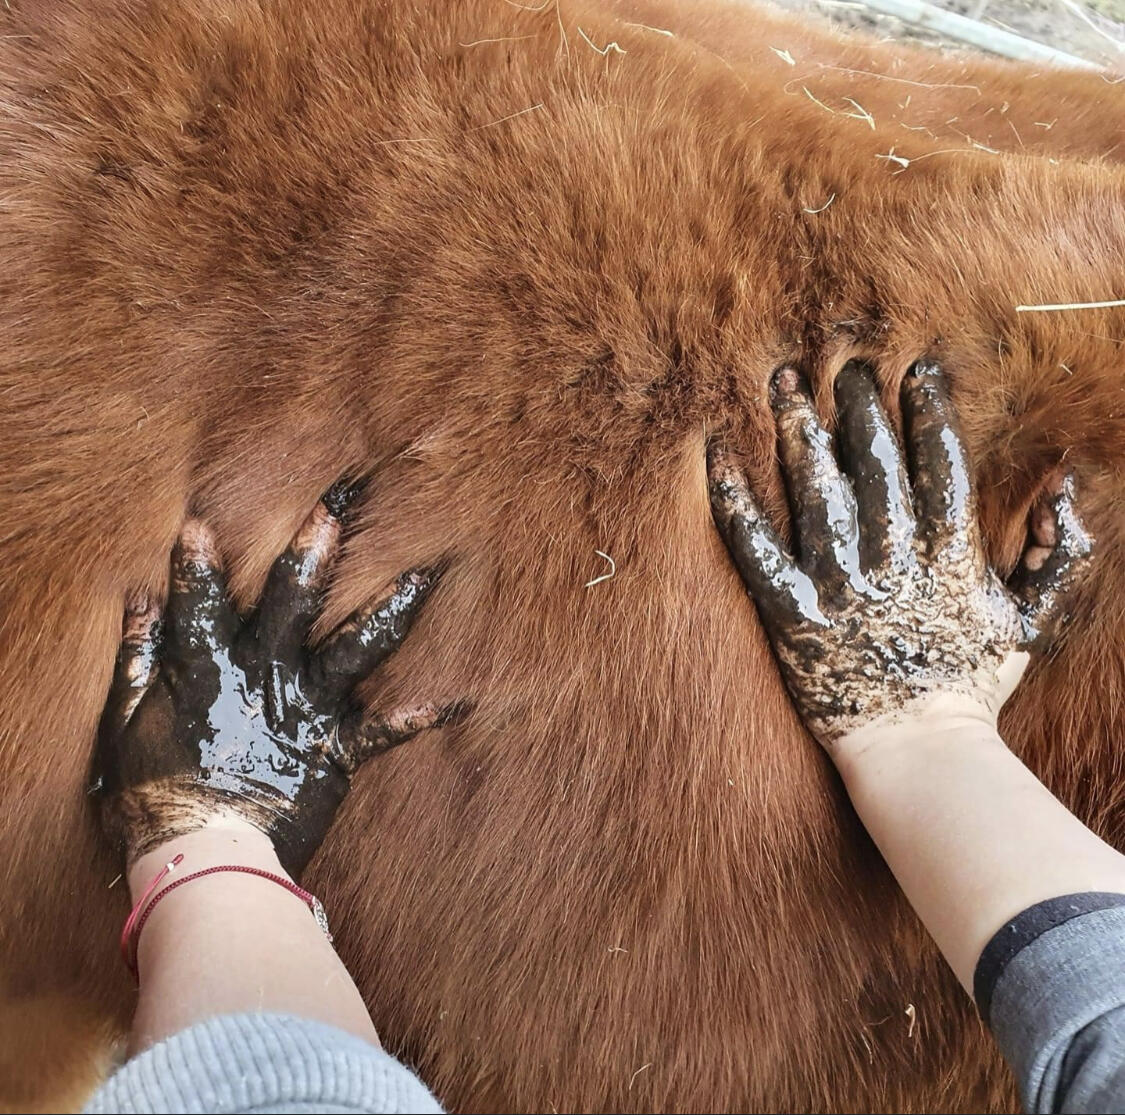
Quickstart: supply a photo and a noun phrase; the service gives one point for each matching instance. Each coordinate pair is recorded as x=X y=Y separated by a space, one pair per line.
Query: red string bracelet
x=128 y=953
x=135 y=922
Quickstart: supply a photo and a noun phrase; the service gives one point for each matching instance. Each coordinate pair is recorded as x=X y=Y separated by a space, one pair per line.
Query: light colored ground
x=1094 y=30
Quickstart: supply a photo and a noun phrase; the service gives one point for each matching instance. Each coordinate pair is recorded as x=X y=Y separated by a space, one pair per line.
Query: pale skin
x=972 y=836
x=899 y=646
x=231 y=943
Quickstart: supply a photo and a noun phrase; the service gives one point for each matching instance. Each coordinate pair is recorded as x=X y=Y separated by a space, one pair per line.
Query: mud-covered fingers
x=292 y=596
x=199 y=619
x=820 y=496
x=870 y=454
x=1057 y=554
x=944 y=502
x=785 y=596
x=370 y=636
x=137 y=660
x=363 y=736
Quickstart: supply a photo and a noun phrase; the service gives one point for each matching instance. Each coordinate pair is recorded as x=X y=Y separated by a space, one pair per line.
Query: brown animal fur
x=957 y=101
x=248 y=246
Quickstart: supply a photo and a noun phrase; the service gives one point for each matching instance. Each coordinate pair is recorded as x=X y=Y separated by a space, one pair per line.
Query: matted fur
x=248 y=246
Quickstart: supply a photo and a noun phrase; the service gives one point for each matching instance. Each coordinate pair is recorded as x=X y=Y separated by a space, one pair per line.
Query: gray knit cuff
x=262 y=1063
x=1057 y=1014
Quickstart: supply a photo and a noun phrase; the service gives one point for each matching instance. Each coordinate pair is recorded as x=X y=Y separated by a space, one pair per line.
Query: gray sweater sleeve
x=1051 y=984
x=262 y=1063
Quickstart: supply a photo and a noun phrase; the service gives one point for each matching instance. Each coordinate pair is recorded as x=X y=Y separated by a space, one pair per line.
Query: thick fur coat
x=518 y=277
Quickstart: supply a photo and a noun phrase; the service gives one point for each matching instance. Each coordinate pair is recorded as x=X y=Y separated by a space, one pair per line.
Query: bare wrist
x=224 y=840
x=945 y=720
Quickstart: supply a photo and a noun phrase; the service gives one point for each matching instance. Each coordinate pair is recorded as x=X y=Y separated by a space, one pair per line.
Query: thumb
x=1057 y=554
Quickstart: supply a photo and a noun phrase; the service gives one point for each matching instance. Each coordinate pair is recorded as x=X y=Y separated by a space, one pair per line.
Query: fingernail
x=723 y=484
x=422 y=580
x=315 y=544
x=342 y=495
x=728 y=493
x=718 y=457
x=197 y=544
x=786 y=381
x=924 y=367
x=1044 y=525
x=720 y=463
x=137 y=602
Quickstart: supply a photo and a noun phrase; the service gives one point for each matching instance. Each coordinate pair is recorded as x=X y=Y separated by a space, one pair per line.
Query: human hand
x=890 y=601
x=210 y=715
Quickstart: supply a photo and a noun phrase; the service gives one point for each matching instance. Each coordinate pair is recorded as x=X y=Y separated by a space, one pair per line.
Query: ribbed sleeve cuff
x=1054 y=1008
x=1027 y=927
x=262 y=1062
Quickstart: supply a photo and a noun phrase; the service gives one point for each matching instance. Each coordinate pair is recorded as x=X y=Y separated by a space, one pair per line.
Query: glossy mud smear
x=225 y=715
x=890 y=598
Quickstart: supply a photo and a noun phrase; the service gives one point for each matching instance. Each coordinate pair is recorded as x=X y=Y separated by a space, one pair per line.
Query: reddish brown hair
x=518 y=282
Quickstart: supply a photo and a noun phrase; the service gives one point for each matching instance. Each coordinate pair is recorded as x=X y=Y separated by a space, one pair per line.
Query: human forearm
x=227 y=740
x=900 y=645
x=233 y=942
x=969 y=832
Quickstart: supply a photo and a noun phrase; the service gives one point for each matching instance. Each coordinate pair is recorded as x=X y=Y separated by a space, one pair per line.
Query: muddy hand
x=889 y=599
x=210 y=715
